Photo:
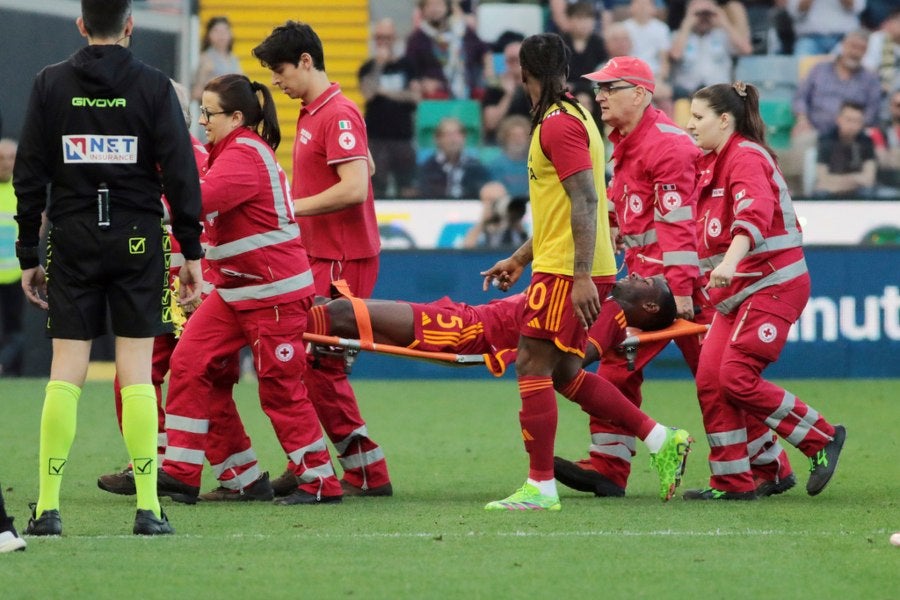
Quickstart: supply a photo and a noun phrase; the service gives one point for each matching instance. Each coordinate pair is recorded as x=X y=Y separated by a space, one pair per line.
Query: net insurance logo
x=120 y=149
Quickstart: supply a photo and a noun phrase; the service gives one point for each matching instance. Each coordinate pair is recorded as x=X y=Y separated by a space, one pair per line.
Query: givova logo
x=873 y=319
x=100 y=149
x=99 y=102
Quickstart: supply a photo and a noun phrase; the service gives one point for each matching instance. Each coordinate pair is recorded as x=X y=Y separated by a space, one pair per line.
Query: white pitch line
x=711 y=533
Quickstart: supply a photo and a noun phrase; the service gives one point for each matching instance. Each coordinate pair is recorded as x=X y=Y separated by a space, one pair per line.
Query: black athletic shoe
x=146 y=523
x=714 y=494
x=301 y=497
x=49 y=523
x=771 y=487
x=118 y=483
x=166 y=485
x=581 y=476
x=823 y=464
x=261 y=489
x=285 y=484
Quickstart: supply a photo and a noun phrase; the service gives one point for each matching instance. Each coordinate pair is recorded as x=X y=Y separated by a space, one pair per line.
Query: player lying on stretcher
x=491 y=329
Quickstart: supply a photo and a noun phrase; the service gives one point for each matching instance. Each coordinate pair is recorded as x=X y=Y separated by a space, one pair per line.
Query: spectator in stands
x=887 y=146
x=883 y=53
x=560 y=21
x=655 y=37
x=216 y=55
x=447 y=55
x=500 y=225
x=821 y=24
x=588 y=49
x=391 y=90
x=735 y=10
x=704 y=48
x=450 y=172
x=507 y=97
x=618 y=41
x=876 y=12
x=846 y=157
x=511 y=167
x=829 y=84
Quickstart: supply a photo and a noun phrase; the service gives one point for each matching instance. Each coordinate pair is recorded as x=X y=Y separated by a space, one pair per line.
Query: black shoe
x=285 y=484
x=9 y=538
x=146 y=523
x=260 y=489
x=166 y=485
x=823 y=464
x=118 y=483
x=714 y=494
x=581 y=476
x=772 y=487
x=302 y=497
x=382 y=490
x=49 y=522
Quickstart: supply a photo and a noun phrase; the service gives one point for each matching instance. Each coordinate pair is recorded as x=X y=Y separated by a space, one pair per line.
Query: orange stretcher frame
x=629 y=345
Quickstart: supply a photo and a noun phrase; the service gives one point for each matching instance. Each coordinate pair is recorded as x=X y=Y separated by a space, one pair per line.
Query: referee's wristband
x=28 y=256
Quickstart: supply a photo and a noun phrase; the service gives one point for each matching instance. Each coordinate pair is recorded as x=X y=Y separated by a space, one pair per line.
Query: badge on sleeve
x=347 y=140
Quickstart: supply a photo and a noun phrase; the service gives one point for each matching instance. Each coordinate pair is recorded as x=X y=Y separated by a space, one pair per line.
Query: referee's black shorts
x=124 y=267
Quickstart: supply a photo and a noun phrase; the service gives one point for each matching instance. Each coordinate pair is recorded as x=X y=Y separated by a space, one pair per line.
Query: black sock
x=3 y=516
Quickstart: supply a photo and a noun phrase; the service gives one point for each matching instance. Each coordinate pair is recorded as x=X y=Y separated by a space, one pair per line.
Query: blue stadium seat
x=775 y=75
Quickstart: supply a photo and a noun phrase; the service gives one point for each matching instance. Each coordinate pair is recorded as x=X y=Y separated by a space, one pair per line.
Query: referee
x=106 y=134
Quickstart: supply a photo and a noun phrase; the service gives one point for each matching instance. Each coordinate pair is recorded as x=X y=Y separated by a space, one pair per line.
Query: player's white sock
x=656 y=438
x=547 y=488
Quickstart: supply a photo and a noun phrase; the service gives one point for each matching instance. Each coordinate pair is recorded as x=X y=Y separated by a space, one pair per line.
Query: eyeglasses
x=206 y=113
x=609 y=90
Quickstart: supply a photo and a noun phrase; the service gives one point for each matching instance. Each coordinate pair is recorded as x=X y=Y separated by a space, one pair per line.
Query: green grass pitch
x=452 y=446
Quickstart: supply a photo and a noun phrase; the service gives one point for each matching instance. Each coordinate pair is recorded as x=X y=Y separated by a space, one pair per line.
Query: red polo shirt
x=330 y=131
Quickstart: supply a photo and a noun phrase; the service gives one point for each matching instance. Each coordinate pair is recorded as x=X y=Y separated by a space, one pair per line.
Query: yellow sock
x=139 y=430
x=58 y=420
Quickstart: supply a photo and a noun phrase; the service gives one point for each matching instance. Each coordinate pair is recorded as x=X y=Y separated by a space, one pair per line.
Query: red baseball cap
x=625 y=68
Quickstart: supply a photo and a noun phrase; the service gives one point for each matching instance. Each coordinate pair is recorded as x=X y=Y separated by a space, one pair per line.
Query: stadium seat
x=776 y=76
x=779 y=120
x=496 y=17
x=430 y=113
x=808 y=62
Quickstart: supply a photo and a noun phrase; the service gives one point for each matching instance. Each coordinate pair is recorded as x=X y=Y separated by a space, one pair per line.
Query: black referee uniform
x=107 y=134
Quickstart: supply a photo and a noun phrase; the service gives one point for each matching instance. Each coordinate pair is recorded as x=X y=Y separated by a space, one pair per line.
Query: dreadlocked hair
x=545 y=57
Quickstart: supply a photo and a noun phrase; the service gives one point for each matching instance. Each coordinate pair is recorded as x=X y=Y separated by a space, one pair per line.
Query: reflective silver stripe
x=666 y=128
x=267 y=290
x=176 y=259
x=212 y=216
x=185 y=455
x=754 y=446
x=782 y=275
x=680 y=258
x=799 y=433
x=727 y=438
x=679 y=215
x=745 y=203
x=640 y=239
x=298 y=454
x=187 y=424
x=615 y=450
x=710 y=262
x=729 y=467
x=238 y=459
x=287 y=229
x=784 y=409
x=245 y=479
x=162 y=439
x=784 y=193
x=601 y=439
x=252 y=242
x=314 y=473
x=753 y=230
x=779 y=242
x=342 y=445
x=610 y=206
x=355 y=461
x=769 y=456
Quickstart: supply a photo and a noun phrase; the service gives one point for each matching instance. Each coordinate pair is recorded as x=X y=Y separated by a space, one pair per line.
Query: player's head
x=647 y=301
x=105 y=19
x=288 y=43
x=544 y=58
